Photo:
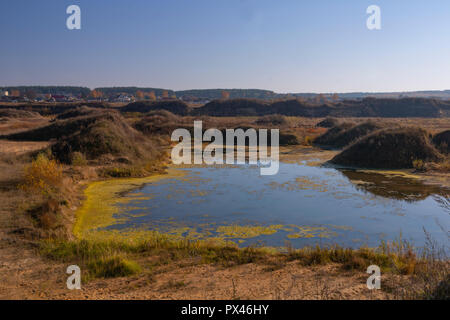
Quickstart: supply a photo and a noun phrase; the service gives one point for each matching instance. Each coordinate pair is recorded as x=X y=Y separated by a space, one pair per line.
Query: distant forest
x=49 y=89
x=211 y=94
x=133 y=90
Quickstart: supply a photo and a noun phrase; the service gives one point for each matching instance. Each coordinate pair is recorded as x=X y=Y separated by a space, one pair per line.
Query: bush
x=308 y=141
x=442 y=141
x=113 y=267
x=122 y=172
x=78 y=159
x=419 y=165
x=43 y=176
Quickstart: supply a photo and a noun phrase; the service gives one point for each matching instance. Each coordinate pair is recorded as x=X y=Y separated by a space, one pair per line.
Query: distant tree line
x=136 y=91
x=53 y=90
x=148 y=93
x=211 y=94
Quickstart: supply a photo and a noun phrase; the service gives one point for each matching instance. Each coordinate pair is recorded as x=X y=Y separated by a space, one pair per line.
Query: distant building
x=59 y=98
x=122 y=97
x=13 y=99
x=4 y=93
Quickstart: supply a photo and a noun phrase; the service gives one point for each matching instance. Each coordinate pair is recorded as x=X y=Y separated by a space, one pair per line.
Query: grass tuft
x=113 y=267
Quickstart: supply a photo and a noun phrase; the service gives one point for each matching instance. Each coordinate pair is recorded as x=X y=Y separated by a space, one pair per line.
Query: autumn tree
x=165 y=94
x=301 y=100
x=335 y=97
x=225 y=95
x=320 y=98
x=96 y=94
x=139 y=95
x=15 y=93
x=151 y=95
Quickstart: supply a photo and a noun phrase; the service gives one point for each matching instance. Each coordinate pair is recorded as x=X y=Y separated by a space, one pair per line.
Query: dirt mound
x=327 y=139
x=442 y=141
x=79 y=112
x=234 y=107
x=18 y=113
x=61 y=128
x=344 y=137
x=95 y=135
x=328 y=123
x=158 y=122
x=389 y=149
x=46 y=109
x=107 y=134
x=368 y=107
x=272 y=120
x=294 y=107
x=174 y=106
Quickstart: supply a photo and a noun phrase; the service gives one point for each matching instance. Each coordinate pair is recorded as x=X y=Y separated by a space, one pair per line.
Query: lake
x=304 y=204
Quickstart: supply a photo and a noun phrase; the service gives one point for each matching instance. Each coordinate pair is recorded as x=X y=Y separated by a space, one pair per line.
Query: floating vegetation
x=311 y=232
x=301 y=183
x=245 y=232
x=104 y=197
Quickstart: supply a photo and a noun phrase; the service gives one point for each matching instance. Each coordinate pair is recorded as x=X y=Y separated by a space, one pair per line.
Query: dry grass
x=19 y=148
x=272 y=120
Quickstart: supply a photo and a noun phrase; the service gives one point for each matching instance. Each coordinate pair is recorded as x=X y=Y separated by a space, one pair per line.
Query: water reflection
x=303 y=204
x=394 y=186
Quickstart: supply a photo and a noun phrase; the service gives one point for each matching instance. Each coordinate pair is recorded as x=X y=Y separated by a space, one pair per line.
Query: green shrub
x=419 y=164
x=113 y=267
x=78 y=159
x=121 y=172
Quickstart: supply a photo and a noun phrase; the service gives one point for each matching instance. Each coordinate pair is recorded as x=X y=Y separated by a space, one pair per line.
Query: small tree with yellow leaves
x=42 y=176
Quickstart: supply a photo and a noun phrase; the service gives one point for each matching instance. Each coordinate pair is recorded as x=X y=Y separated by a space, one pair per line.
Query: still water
x=302 y=205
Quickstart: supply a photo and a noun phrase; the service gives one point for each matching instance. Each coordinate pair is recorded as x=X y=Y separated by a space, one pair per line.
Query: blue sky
x=284 y=45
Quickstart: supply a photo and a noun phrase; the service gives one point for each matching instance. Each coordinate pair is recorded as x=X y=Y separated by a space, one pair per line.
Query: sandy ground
x=25 y=275
x=15 y=125
x=20 y=147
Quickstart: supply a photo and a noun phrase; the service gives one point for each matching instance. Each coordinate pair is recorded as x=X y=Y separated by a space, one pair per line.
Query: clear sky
x=281 y=45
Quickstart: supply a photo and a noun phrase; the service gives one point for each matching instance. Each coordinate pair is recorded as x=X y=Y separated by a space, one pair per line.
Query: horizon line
x=291 y=92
